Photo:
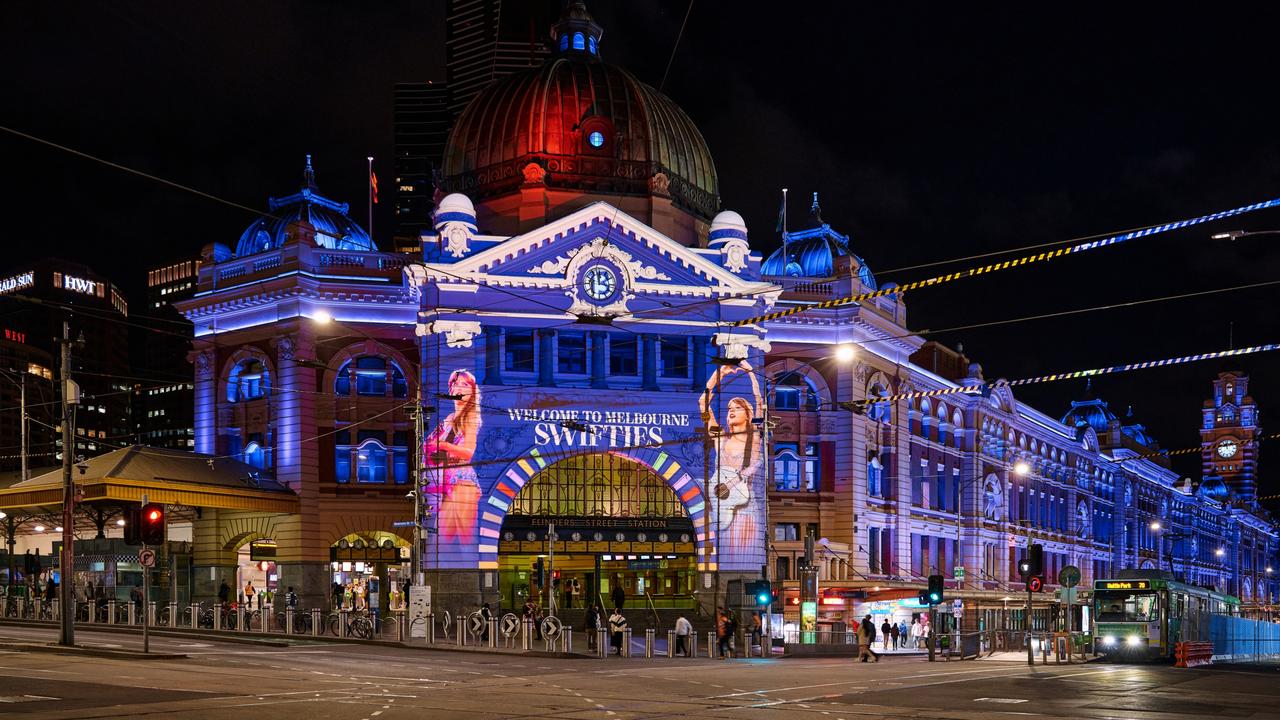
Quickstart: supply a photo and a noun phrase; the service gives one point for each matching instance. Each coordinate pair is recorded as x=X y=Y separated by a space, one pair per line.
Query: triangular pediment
x=545 y=257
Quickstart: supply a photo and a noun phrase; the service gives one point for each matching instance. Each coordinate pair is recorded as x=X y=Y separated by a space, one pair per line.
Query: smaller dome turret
x=455 y=207
x=813 y=252
x=1090 y=411
x=726 y=225
x=328 y=219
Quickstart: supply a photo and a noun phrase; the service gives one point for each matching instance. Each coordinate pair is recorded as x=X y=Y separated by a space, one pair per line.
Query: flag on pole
x=373 y=185
x=782 y=214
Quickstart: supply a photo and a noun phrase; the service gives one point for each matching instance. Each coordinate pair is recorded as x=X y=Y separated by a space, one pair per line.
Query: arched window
x=249 y=380
x=875 y=474
x=369 y=459
x=591 y=44
x=255 y=455
x=372 y=376
x=877 y=411
x=579 y=42
x=564 y=43
x=794 y=391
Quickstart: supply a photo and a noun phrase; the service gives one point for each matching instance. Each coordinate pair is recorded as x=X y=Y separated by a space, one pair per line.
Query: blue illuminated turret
x=812 y=252
x=333 y=229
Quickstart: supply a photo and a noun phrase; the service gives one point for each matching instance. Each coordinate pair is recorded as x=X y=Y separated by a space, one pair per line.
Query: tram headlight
x=1109 y=640
x=1134 y=640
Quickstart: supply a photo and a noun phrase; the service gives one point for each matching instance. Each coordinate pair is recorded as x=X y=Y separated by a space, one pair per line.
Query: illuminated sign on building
x=15 y=336
x=79 y=284
x=1123 y=585
x=17 y=282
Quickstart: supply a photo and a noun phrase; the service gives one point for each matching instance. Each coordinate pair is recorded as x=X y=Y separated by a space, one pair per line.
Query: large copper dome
x=586 y=125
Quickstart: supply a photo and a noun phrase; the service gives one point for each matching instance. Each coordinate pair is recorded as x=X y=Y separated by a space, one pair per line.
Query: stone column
x=649 y=362
x=546 y=358
x=205 y=361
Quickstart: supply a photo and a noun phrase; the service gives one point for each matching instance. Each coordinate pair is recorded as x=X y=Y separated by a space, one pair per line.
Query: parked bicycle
x=359 y=625
x=301 y=622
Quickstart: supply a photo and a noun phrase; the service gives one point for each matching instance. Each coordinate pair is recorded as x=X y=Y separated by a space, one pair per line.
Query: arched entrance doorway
x=368 y=570
x=595 y=523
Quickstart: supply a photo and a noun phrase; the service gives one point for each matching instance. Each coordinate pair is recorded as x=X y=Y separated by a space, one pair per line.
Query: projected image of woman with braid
x=738 y=462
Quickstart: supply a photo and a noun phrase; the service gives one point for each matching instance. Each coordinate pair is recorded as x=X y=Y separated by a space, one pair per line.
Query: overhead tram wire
x=1007 y=264
x=1073 y=375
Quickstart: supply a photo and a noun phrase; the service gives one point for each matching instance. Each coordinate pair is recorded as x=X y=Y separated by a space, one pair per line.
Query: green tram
x=1142 y=618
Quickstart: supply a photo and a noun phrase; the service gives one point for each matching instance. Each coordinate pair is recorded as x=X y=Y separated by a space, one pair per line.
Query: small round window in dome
x=596 y=139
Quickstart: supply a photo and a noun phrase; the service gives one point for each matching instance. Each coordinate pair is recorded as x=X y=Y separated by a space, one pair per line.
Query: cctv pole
x=146 y=606
x=68 y=636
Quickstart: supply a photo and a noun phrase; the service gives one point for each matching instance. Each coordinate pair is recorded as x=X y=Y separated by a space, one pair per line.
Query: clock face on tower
x=1227 y=449
x=599 y=282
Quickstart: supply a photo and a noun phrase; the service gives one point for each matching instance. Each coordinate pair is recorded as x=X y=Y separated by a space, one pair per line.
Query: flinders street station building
x=572 y=376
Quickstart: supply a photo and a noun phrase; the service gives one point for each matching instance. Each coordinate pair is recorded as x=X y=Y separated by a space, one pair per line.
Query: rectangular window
x=520 y=350
x=572 y=353
x=786 y=531
x=873 y=549
x=623 y=350
x=674 y=352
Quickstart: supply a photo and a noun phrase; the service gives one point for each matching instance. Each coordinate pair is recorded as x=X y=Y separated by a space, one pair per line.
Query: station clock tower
x=1228 y=435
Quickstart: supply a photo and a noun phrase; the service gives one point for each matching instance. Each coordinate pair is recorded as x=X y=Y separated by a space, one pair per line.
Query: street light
x=1155 y=525
x=1021 y=467
x=845 y=353
x=1233 y=234
x=321 y=316
x=1219 y=552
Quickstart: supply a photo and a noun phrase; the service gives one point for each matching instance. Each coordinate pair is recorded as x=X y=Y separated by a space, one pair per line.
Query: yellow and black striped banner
x=1005 y=265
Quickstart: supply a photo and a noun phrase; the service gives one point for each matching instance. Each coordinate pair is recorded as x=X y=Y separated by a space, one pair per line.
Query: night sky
x=930 y=134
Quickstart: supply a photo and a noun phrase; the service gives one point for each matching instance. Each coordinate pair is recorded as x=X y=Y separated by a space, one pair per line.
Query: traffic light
x=761 y=591
x=936 y=587
x=1035 y=583
x=1036 y=558
x=151 y=527
x=1024 y=568
x=538 y=570
x=132 y=525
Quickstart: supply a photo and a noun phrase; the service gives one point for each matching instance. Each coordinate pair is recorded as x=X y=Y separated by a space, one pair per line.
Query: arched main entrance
x=594 y=523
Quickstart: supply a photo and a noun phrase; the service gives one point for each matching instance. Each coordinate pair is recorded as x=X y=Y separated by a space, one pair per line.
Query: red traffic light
x=152 y=531
x=154 y=515
x=1035 y=583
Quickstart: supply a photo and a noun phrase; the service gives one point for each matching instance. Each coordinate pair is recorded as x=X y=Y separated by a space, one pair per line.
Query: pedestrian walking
x=619 y=596
x=617 y=623
x=723 y=633
x=684 y=629
x=867 y=636
x=224 y=592
x=902 y=633
x=135 y=596
x=885 y=638
x=592 y=625
x=917 y=632
x=895 y=634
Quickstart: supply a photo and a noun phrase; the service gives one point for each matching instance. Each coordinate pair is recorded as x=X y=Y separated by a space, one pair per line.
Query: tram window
x=1127 y=607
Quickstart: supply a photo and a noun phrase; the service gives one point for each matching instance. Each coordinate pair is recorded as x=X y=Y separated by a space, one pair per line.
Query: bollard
x=55 y=605
x=288 y=622
x=526 y=634
x=111 y=611
x=431 y=629
x=566 y=640
x=493 y=632
x=240 y=618
x=195 y=616
x=671 y=643
x=711 y=645
x=151 y=613
x=131 y=617
x=173 y=613
x=648 y=642
x=342 y=623
x=93 y=611
x=692 y=650
x=22 y=606
x=315 y=622
x=626 y=642
x=462 y=633
x=602 y=642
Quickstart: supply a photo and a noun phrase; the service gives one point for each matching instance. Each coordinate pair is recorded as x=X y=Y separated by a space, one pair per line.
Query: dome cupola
x=539 y=144
x=813 y=251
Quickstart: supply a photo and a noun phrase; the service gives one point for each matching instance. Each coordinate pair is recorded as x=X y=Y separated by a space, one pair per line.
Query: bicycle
x=358 y=625
x=301 y=622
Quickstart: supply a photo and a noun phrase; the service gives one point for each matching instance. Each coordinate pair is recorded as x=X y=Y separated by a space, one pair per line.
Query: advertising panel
x=487 y=442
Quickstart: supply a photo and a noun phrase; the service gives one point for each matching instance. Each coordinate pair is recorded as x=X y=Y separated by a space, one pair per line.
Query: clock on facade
x=599 y=282
x=1227 y=448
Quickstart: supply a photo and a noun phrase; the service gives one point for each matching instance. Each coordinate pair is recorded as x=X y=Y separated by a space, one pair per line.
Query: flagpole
x=368 y=178
x=786 y=255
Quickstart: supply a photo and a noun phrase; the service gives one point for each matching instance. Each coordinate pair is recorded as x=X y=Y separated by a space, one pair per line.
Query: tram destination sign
x=1122 y=585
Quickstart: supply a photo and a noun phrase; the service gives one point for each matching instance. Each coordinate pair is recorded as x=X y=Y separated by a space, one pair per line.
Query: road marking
x=1007 y=701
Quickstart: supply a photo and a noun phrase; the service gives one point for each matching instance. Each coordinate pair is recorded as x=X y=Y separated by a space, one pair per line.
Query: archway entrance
x=595 y=523
x=368 y=570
